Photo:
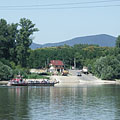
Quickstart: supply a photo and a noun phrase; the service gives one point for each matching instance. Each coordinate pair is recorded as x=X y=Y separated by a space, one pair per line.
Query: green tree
x=3 y=41
x=107 y=67
x=7 y=39
x=5 y=72
x=24 y=40
x=118 y=42
x=79 y=60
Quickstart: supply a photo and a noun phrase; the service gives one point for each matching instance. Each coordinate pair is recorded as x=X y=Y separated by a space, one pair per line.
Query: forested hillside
x=103 y=40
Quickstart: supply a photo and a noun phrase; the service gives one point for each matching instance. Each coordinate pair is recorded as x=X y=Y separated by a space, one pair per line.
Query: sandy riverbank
x=84 y=79
x=76 y=79
x=3 y=82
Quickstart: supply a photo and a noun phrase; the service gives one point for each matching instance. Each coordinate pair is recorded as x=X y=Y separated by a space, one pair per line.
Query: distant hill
x=35 y=46
x=101 y=40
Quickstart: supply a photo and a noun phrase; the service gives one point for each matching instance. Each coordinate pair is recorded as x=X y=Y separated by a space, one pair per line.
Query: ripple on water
x=60 y=103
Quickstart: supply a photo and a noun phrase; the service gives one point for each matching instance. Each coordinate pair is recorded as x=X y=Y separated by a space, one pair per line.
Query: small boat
x=20 y=82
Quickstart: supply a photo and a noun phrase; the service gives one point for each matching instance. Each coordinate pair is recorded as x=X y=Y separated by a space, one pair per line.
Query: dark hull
x=33 y=84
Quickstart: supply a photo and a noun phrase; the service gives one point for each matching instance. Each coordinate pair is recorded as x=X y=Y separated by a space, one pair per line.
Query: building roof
x=56 y=62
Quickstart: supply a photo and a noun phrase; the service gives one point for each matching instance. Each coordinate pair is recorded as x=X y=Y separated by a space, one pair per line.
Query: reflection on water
x=80 y=102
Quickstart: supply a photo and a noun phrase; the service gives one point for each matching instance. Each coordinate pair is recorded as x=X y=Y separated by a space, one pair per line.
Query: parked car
x=65 y=73
x=85 y=70
x=79 y=74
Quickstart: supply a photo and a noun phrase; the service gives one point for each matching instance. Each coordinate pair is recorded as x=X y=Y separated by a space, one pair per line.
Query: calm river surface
x=79 y=102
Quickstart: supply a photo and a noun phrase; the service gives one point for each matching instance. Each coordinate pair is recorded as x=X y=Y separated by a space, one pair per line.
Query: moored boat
x=32 y=84
x=20 y=82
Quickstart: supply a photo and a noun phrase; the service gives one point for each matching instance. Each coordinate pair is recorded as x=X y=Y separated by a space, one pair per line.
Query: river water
x=75 y=102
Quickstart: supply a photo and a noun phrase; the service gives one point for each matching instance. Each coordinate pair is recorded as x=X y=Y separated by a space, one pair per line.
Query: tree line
x=82 y=54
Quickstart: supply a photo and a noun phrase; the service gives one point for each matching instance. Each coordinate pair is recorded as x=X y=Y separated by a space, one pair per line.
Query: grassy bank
x=36 y=76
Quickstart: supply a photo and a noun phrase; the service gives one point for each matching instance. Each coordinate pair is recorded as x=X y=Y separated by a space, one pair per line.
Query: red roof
x=56 y=62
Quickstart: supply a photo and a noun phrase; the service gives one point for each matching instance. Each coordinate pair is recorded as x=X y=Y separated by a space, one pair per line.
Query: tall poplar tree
x=24 y=40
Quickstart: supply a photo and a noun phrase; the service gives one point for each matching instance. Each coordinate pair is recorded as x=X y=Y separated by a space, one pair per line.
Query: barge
x=20 y=82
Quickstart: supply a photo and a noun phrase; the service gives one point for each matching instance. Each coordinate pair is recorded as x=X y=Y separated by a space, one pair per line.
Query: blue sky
x=58 y=25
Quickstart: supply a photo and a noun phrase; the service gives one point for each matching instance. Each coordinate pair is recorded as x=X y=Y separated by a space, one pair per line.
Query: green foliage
x=40 y=58
x=15 y=40
x=84 y=55
x=118 y=42
x=107 y=68
x=12 y=64
x=5 y=72
x=7 y=39
x=20 y=71
x=35 y=76
x=5 y=62
x=24 y=41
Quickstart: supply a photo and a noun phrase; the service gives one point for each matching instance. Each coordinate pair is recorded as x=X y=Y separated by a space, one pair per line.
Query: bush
x=20 y=71
x=35 y=76
x=6 y=72
x=107 y=68
x=5 y=62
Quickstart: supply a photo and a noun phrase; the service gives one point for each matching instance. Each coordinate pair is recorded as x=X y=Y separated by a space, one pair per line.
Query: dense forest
x=17 y=57
x=103 y=62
